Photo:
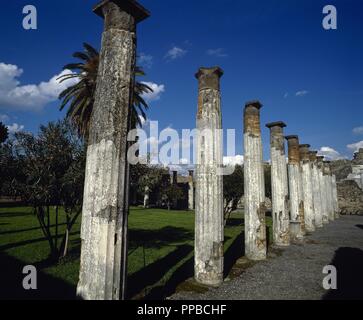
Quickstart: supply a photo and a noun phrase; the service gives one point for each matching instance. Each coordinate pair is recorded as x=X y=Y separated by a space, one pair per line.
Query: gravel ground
x=296 y=272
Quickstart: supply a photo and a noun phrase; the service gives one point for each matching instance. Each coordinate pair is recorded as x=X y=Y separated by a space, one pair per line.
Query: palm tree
x=4 y=133
x=80 y=96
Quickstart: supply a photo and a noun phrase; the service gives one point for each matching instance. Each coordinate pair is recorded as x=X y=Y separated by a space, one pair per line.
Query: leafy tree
x=53 y=163
x=4 y=133
x=80 y=97
x=233 y=190
x=173 y=194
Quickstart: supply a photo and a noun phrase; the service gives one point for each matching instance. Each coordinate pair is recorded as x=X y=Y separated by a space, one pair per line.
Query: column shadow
x=349 y=265
x=49 y=287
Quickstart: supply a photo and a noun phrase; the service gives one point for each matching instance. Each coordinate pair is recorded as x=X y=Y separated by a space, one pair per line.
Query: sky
x=275 y=51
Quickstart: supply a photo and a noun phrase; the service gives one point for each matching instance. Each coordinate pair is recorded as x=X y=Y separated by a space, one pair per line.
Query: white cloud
x=354 y=147
x=301 y=93
x=286 y=95
x=29 y=96
x=145 y=60
x=358 y=130
x=330 y=153
x=156 y=94
x=175 y=53
x=4 y=118
x=15 y=128
x=233 y=161
x=220 y=53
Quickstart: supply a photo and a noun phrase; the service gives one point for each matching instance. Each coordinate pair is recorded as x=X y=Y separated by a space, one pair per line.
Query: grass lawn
x=160 y=252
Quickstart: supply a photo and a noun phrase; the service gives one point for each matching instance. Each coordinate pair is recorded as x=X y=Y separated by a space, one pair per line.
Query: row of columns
x=304 y=194
x=103 y=265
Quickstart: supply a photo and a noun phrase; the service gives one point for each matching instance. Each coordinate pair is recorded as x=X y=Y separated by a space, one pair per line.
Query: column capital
x=209 y=78
x=132 y=7
x=313 y=155
x=304 y=152
x=278 y=124
x=252 y=118
x=293 y=149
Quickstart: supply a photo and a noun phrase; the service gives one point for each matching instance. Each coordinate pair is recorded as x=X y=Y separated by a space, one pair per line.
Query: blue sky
x=275 y=51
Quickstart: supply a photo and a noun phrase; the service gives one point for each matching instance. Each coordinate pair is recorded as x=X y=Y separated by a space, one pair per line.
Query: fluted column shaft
x=295 y=186
x=307 y=188
x=279 y=184
x=254 y=185
x=318 y=211
x=323 y=191
x=209 y=224
x=103 y=266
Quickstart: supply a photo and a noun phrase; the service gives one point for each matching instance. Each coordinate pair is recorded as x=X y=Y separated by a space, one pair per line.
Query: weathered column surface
x=307 y=187
x=279 y=184
x=146 y=197
x=191 y=190
x=105 y=206
x=323 y=194
x=329 y=190
x=361 y=179
x=209 y=233
x=295 y=187
x=318 y=211
x=254 y=184
x=335 y=197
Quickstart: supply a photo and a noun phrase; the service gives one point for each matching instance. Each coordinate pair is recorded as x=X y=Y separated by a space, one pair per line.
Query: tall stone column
x=254 y=185
x=335 y=196
x=323 y=192
x=146 y=197
x=209 y=224
x=105 y=206
x=361 y=179
x=279 y=184
x=191 y=190
x=307 y=187
x=329 y=193
x=318 y=212
x=295 y=187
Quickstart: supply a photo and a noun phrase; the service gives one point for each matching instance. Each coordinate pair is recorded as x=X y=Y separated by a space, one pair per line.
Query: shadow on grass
x=186 y=271
x=26 y=242
x=49 y=288
x=29 y=229
x=15 y=214
x=154 y=272
x=349 y=265
x=158 y=238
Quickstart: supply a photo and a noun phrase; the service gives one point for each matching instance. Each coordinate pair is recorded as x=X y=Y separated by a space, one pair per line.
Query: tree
x=53 y=163
x=173 y=193
x=80 y=96
x=233 y=190
x=268 y=187
x=4 y=133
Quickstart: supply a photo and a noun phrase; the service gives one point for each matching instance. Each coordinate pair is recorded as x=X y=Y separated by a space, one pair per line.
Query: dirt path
x=296 y=272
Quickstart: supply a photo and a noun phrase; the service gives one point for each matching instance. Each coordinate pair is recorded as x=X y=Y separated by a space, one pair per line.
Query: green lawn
x=160 y=248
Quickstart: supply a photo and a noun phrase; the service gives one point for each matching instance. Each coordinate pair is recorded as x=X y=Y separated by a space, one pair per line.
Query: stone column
x=279 y=184
x=323 y=193
x=146 y=197
x=105 y=205
x=254 y=185
x=335 y=196
x=295 y=188
x=361 y=179
x=329 y=192
x=191 y=190
x=307 y=187
x=209 y=224
x=318 y=212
